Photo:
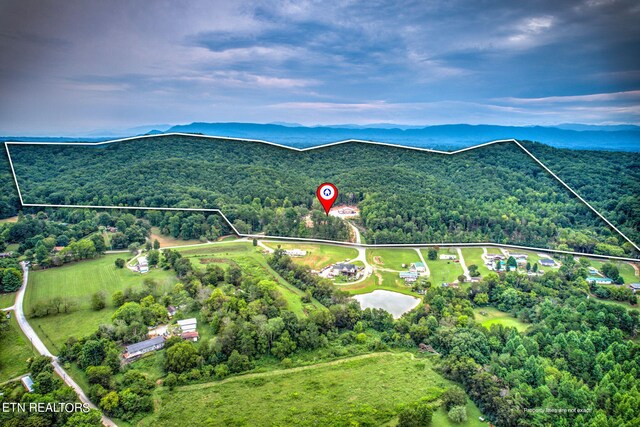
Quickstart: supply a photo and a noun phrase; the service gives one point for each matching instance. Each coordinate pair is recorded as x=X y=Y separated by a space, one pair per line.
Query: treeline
x=492 y=194
x=10 y=275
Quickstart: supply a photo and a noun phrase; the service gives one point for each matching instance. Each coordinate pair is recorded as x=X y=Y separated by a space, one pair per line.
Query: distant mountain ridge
x=455 y=136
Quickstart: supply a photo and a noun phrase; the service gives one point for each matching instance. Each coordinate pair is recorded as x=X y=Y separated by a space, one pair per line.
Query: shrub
x=458 y=414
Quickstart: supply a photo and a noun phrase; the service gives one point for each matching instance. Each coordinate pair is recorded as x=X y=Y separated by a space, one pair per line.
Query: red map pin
x=327 y=193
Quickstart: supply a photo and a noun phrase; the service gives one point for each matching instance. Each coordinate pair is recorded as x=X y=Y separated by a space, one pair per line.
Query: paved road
x=426 y=267
x=463 y=265
x=43 y=350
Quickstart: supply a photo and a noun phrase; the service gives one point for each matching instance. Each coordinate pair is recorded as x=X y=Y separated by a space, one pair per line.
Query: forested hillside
x=496 y=193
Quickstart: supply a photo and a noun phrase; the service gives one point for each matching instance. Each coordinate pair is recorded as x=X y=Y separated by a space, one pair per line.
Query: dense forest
x=492 y=194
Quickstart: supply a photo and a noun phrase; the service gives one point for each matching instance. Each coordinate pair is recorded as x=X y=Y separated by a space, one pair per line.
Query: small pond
x=393 y=302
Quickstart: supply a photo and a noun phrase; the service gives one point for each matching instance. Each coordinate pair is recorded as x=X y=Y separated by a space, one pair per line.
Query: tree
x=535 y=267
x=473 y=270
x=170 y=381
x=153 y=257
x=255 y=242
x=528 y=266
x=109 y=403
x=415 y=415
x=119 y=263
x=99 y=375
x=462 y=278
x=156 y=244
x=458 y=414
x=117 y=298
x=432 y=254
x=181 y=357
x=98 y=300
x=91 y=354
x=11 y=280
x=85 y=419
x=481 y=299
x=238 y=362
x=454 y=396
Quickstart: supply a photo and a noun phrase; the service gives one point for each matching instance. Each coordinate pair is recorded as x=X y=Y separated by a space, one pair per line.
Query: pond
x=392 y=302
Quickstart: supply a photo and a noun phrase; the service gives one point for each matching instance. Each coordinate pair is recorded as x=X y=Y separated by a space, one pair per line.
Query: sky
x=81 y=66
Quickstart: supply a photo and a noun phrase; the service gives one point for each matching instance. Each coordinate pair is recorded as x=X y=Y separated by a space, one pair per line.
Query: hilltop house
x=599 y=280
x=344 y=268
x=143 y=347
x=547 y=262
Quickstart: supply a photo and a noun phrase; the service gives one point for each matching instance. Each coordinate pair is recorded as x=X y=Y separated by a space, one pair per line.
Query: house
x=547 y=262
x=27 y=382
x=188 y=325
x=494 y=257
x=6 y=254
x=599 y=280
x=58 y=248
x=143 y=347
x=344 y=268
x=409 y=276
x=190 y=336
x=419 y=267
x=112 y=229
x=593 y=271
x=448 y=257
x=520 y=256
x=635 y=287
x=347 y=211
x=295 y=252
x=143 y=265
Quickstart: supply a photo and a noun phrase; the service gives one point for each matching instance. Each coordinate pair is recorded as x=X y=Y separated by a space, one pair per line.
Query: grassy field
x=626 y=270
x=493 y=251
x=495 y=316
x=363 y=390
x=15 y=349
x=443 y=270
x=253 y=263
x=167 y=241
x=11 y=219
x=78 y=281
x=474 y=256
x=392 y=258
x=318 y=255
x=7 y=300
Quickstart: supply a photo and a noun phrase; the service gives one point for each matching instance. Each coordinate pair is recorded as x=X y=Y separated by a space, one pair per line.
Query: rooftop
x=144 y=344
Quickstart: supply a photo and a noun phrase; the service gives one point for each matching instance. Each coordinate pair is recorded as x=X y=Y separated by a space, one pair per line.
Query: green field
x=253 y=263
x=318 y=255
x=78 y=281
x=168 y=241
x=392 y=259
x=495 y=316
x=363 y=390
x=7 y=300
x=15 y=349
x=626 y=270
x=493 y=251
x=443 y=270
x=474 y=256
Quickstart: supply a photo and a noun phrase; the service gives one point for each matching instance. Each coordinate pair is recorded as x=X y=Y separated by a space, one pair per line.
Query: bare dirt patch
x=378 y=260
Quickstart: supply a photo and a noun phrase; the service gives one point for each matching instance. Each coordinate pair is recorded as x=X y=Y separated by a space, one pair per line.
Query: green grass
x=442 y=270
x=440 y=418
x=387 y=280
x=494 y=251
x=78 y=281
x=366 y=389
x=626 y=270
x=495 y=316
x=318 y=255
x=474 y=256
x=15 y=349
x=252 y=263
x=392 y=258
x=7 y=300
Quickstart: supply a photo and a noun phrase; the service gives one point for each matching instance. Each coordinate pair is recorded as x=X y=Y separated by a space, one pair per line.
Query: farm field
x=474 y=256
x=167 y=241
x=443 y=270
x=333 y=393
x=391 y=259
x=495 y=316
x=253 y=263
x=318 y=255
x=78 y=281
x=15 y=349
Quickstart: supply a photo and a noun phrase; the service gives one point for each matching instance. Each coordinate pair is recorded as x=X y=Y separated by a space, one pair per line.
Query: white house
x=143 y=265
x=448 y=257
x=188 y=325
x=295 y=252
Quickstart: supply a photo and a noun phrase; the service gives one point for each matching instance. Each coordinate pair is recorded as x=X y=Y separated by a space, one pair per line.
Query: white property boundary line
x=218 y=211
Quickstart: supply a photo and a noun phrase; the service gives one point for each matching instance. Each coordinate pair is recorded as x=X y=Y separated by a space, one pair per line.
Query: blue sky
x=78 y=66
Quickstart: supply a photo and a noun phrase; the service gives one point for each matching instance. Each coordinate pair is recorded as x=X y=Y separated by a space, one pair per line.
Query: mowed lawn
x=15 y=349
x=252 y=263
x=363 y=390
x=318 y=255
x=474 y=256
x=392 y=258
x=79 y=281
x=626 y=270
x=495 y=316
x=7 y=300
x=168 y=241
x=443 y=270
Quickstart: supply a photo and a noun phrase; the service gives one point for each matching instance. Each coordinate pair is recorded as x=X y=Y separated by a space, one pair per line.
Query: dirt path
x=462 y=264
x=426 y=267
x=635 y=268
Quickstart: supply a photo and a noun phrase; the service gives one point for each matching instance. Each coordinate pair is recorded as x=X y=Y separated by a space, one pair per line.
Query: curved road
x=43 y=350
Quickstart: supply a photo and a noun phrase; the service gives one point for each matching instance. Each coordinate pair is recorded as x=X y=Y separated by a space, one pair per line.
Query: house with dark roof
x=143 y=347
x=344 y=268
x=635 y=287
x=547 y=262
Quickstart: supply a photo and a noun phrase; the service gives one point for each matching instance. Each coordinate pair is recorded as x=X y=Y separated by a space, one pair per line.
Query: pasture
x=495 y=316
x=332 y=393
x=443 y=270
x=15 y=349
x=318 y=255
x=474 y=256
x=391 y=259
